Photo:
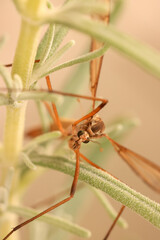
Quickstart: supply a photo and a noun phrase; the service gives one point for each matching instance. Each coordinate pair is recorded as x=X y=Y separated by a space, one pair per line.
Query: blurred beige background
x=130 y=91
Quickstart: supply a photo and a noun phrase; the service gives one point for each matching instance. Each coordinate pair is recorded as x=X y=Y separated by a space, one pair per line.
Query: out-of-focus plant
x=19 y=163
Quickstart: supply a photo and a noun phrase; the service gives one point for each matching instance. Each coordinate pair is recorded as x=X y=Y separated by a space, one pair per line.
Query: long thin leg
x=122 y=207
x=92 y=113
x=50 y=200
x=113 y=224
x=95 y=70
x=72 y=192
x=57 y=119
x=94 y=164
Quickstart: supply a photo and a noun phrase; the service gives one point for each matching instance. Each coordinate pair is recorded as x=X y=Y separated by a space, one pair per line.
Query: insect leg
x=72 y=192
x=56 y=118
x=94 y=164
x=122 y=207
x=115 y=221
x=93 y=112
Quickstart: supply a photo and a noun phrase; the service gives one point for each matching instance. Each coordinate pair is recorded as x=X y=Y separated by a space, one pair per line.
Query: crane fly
x=89 y=127
x=92 y=127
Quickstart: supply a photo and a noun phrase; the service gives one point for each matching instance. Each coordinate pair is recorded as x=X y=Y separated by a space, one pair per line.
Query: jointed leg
x=92 y=113
x=115 y=221
x=72 y=192
x=51 y=199
x=122 y=207
x=93 y=164
x=56 y=118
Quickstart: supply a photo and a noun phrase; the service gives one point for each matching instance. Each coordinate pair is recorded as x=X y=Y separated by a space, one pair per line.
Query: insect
x=91 y=127
x=84 y=130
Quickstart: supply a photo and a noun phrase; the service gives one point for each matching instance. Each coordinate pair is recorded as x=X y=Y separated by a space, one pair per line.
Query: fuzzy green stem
x=15 y=117
x=23 y=66
x=26 y=52
x=13 y=133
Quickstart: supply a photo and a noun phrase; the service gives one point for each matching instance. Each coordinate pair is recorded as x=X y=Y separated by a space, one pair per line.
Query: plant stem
x=15 y=117
x=23 y=66
x=26 y=52
x=14 y=128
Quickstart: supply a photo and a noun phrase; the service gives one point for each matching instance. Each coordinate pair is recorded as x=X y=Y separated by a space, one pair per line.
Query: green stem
x=23 y=66
x=26 y=52
x=13 y=136
x=15 y=117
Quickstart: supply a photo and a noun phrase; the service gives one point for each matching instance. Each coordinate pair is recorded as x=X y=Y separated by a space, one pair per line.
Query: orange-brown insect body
x=84 y=132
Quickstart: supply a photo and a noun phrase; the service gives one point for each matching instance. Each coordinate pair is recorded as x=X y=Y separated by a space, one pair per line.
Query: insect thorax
x=89 y=129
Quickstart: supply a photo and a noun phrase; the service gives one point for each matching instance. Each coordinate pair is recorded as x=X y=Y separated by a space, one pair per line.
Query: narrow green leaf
x=108 y=207
x=25 y=158
x=37 y=95
x=42 y=138
x=45 y=46
x=83 y=7
x=42 y=44
x=60 y=32
x=44 y=116
x=84 y=58
x=139 y=203
x=49 y=62
x=53 y=220
x=144 y=55
x=117 y=8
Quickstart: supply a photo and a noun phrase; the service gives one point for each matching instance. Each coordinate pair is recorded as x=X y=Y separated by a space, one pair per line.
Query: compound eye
x=80 y=133
x=86 y=141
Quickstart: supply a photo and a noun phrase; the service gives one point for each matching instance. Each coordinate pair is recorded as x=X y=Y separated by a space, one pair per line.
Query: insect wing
x=148 y=171
x=53 y=127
